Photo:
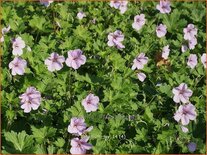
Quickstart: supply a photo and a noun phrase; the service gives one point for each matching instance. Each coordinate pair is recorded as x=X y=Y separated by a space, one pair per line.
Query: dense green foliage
x=133 y=116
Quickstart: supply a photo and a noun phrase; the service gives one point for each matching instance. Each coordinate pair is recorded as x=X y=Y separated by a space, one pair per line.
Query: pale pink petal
x=176 y=98
x=77 y=150
x=141 y=76
x=184 y=129
x=26 y=107
x=177 y=116
x=184 y=120
x=17 y=51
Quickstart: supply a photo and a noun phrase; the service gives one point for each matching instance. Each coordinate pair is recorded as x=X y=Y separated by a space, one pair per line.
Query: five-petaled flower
x=75 y=59
x=185 y=113
x=192 y=61
x=165 y=52
x=164 y=6
x=81 y=15
x=31 y=99
x=139 y=61
x=115 y=39
x=182 y=93
x=55 y=62
x=46 y=2
x=90 y=103
x=161 y=30
x=77 y=126
x=18 y=45
x=80 y=146
x=18 y=65
x=190 y=32
x=119 y=4
x=139 y=21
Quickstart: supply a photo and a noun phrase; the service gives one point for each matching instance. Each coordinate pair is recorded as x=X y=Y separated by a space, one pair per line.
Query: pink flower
x=119 y=4
x=30 y=99
x=184 y=129
x=123 y=7
x=184 y=48
x=164 y=6
x=90 y=103
x=190 y=32
x=75 y=59
x=161 y=30
x=185 y=113
x=54 y=62
x=116 y=4
x=182 y=93
x=17 y=65
x=192 y=43
x=139 y=21
x=141 y=76
x=5 y=30
x=81 y=15
x=140 y=61
x=165 y=52
x=192 y=61
x=115 y=39
x=77 y=126
x=46 y=2
x=18 y=45
x=203 y=59
x=79 y=146
x=192 y=146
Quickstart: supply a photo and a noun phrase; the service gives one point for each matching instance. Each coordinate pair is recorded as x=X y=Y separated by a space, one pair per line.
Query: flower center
x=55 y=59
x=89 y=102
x=182 y=92
x=163 y=7
x=16 y=65
x=16 y=45
x=184 y=112
x=115 y=37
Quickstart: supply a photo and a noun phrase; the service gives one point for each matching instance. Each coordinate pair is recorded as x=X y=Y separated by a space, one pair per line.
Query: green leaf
x=37 y=22
x=41 y=134
x=22 y=142
x=60 y=142
x=148 y=114
x=51 y=149
x=166 y=89
x=40 y=149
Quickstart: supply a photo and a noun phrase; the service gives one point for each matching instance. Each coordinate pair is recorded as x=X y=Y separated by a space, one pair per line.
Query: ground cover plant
x=103 y=77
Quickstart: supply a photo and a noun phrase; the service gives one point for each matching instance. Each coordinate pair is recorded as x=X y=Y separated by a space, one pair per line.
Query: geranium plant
x=103 y=77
